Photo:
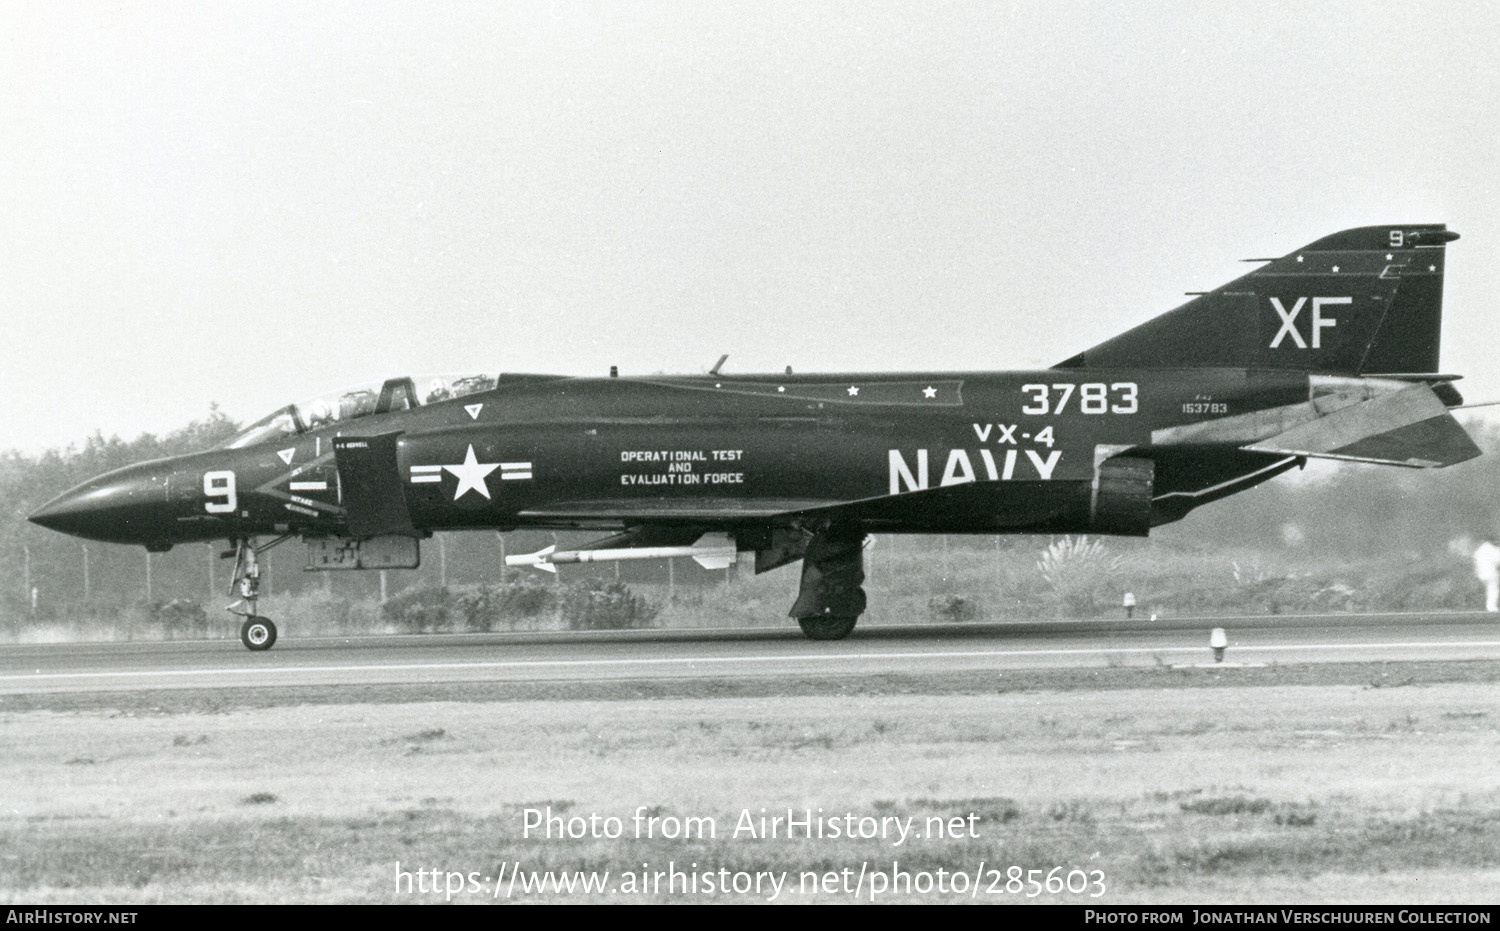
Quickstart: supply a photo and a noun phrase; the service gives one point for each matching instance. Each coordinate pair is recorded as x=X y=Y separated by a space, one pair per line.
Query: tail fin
x=1364 y=301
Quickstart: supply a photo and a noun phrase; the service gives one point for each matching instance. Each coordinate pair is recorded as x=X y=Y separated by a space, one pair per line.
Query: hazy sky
x=250 y=203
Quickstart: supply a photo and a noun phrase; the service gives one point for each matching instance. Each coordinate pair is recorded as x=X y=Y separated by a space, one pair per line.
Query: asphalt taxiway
x=740 y=653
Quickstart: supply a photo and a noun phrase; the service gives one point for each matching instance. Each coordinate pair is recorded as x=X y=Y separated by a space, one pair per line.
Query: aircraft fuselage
x=539 y=451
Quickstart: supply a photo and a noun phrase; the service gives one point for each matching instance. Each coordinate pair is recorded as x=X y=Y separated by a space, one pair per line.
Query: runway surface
x=741 y=653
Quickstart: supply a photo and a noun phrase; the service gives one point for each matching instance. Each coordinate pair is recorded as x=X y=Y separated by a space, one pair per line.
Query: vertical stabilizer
x=1363 y=301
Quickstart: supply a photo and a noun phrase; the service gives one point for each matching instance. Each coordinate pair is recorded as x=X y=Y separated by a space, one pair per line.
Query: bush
x=335 y=613
x=485 y=607
x=528 y=597
x=952 y=608
x=1081 y=574
x=420 y=610
x=480 y=608
x=594 y=604
x=180 y=617
x=323 y=613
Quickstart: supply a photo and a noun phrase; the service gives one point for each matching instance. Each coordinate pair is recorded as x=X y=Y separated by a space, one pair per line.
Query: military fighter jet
x=1330 y=351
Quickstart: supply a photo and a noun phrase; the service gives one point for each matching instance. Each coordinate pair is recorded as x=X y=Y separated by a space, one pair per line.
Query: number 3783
x=1092 y=398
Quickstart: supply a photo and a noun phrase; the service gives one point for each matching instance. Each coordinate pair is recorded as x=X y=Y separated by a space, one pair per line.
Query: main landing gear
x=832 y=599
x=256 y=633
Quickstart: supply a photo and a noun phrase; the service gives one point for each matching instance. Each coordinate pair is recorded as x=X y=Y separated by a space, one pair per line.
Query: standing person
x=1487 y=569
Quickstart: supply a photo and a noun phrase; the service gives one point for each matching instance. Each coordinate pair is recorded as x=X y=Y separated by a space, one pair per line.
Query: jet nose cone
x=125 y=506
x=58 y=514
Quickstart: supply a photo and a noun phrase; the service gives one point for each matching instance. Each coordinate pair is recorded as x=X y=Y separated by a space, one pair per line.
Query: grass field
x=1238 y=793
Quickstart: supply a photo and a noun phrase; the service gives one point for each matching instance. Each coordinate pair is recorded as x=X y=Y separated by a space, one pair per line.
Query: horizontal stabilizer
x=1410 y=427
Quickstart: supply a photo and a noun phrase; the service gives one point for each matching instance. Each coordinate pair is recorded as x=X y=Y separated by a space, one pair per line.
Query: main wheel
x=828 y=626
x=258 y=633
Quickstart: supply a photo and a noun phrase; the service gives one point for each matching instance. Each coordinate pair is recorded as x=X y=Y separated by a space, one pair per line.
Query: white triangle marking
x=473 y=410
x=287 y=454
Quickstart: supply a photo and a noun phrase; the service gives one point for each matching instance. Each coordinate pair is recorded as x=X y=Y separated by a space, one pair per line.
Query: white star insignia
x=470 y=474
x=929 y=392
x=853 y=390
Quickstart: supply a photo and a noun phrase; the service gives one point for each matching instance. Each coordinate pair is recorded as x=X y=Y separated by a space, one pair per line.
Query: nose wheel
x=258 y=633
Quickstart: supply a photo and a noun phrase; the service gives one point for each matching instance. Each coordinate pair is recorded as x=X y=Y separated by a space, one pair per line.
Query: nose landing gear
x=256 y=633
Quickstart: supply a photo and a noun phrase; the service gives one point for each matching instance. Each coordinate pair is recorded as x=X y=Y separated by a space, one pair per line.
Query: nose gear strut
x=256 y=633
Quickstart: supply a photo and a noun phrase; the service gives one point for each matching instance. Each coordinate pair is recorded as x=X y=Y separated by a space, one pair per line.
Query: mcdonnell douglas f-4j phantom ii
x=1330 y=351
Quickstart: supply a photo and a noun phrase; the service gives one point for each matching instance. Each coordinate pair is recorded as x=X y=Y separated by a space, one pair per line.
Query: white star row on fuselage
x=928 y=392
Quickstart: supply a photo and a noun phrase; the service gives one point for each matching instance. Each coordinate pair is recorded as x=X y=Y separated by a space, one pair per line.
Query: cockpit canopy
x=393 y=394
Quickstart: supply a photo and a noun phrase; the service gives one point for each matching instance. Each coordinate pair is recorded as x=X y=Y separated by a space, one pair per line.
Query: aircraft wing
x=1410 y=427
x=698 y=511
x=990 y=503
